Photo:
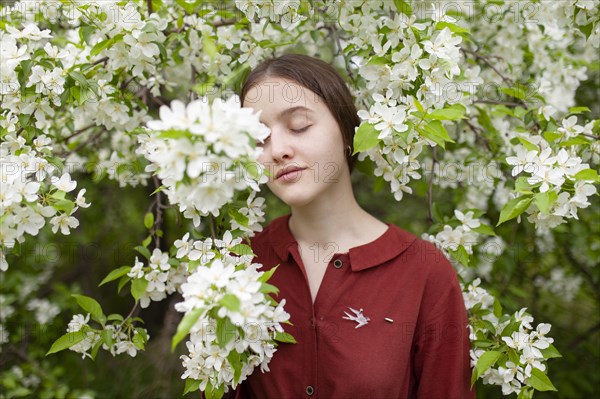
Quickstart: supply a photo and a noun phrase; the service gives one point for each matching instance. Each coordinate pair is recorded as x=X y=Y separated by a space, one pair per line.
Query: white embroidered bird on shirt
x=358 y=317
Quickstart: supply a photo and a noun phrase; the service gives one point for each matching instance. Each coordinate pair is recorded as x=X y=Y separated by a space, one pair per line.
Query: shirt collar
x=389 y=245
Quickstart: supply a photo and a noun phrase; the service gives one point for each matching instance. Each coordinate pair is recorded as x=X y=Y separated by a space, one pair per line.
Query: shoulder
x=424 y=256
x=274 y=239
x=270 y=233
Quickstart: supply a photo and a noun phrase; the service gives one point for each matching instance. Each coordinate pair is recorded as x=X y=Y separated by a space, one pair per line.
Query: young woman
x=375 y=311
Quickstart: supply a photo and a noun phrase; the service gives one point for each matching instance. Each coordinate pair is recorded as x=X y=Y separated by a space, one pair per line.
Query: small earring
x=349 y=150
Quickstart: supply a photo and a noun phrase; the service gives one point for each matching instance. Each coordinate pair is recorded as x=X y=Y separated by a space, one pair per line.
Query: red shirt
x=421 y=351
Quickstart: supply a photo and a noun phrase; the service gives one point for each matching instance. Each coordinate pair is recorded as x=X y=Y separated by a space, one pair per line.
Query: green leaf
x=540 y=381
x=461 y=255
x=124 y=280
x=149 y=220
x=238 y=217
x=575 y=141
x=527 y=144
x=114 y=316
x=514 y=208
x=235 y=361
x=214 y=393
x=378 y=61
x=191 y=385
x=285 y=337
x=105 y=44
x=453 y=112
x=79 y=78
x=140 y=339
x=484 y=229
x=552 y=136
x=452 y=27
x=185 y=325
x=516 y=92
x=147 y=241
x=209 y=47
x=266 y=276
x=95 y=349
x=545 y=200
x=365 y=138
x=587 y=174
x=403 y=7
x=138 y=287
x=550 y=352
x=67 y=341
x=231 y=302
x=435 y=132
x=65 y=206
x=58 y=195
x=241 y=249
x=226 y=331
x=497 y=308
x=267 y=288
x=418 y=105
x=523 y=186
x=526 y=393
x=115 y=274
x=253 y=170
x=172 y=134
x=143 y=251
x=485 y=361
x=189 y=8
x=107 y=337
x=91 y=306
x=578 y=110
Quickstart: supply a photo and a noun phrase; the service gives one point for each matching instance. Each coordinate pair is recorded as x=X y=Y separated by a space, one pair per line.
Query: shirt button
x=337 y=263
x=310 y=390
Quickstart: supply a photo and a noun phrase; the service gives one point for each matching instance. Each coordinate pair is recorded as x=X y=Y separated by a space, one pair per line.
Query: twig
x=158 y=211
x=133 y=309
x=430 y=188
x=508 y=103
x=90 y=140
x=488 y=62
x=478 y=134
x=100 y=61
x=149 y=3
x=77 y=133
x=592 y=136
x=224 y=22
x=212 y=227
x=333 y=31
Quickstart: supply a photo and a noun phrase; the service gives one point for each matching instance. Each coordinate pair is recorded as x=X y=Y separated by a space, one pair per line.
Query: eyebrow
x=290 y=111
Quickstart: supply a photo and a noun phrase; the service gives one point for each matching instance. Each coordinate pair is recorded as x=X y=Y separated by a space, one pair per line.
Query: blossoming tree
x=469 y=105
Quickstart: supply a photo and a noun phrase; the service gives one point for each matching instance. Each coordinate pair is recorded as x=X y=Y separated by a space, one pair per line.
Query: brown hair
x=320 y=78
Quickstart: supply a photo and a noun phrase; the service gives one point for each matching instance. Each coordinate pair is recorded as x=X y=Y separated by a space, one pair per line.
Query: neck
x=334 y=218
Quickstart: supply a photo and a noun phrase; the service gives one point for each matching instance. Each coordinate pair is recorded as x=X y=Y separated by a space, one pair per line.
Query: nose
x=280 y=145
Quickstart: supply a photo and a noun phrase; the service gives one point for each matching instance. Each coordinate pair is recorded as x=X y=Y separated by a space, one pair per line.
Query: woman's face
x=305 y=140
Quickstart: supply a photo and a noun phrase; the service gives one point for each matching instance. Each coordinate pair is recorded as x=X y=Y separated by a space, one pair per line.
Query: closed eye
x=301 y=129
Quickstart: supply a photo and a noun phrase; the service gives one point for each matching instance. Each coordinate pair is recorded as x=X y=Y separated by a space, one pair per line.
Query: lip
x=285 y=171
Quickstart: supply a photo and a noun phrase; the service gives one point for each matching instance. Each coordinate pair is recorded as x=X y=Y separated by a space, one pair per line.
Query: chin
x=294 y=198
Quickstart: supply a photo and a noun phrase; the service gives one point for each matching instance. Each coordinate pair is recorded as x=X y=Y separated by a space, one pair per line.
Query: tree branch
x=592 y=136
x=333 y=31
x=158 y=206
x=508 y=103
x=77 y=133
x=434 y=161
x=149 y=4
x=100 y=61
x=478 y=134
x=488 y=62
